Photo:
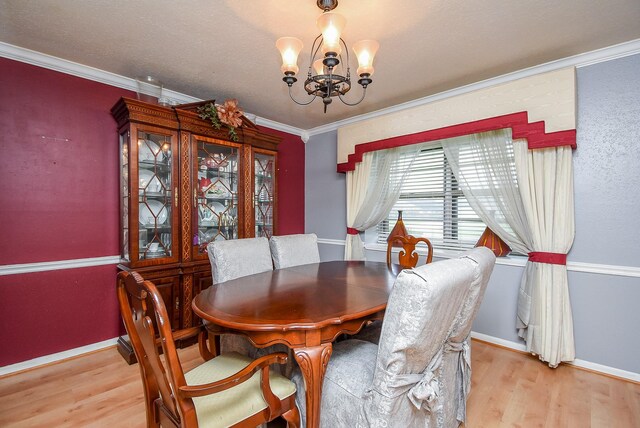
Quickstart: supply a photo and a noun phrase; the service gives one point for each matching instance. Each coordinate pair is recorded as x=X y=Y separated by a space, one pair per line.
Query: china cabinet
x=183 y=184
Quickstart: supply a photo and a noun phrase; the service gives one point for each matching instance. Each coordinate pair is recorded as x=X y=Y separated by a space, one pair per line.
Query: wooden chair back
x=408 y=257
x=168 y=397
x=143 y=311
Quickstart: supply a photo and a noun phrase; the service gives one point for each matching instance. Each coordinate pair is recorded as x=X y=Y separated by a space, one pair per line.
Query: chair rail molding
x=58 y=265
x=521 y=261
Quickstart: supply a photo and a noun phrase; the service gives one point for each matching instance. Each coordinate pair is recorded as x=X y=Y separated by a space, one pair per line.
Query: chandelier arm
x=346 y=49
x=298 y=102
x=364 y=92
x=314 y=50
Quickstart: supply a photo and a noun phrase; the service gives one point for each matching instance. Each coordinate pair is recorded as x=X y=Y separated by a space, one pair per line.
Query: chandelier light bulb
x=331 y=25
x=365 y=51
x=289 y=48
x=319 y=67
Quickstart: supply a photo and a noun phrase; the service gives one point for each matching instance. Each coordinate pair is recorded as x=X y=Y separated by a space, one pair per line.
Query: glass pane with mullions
x=264 y=166
x=217 y=194
x=154 y=195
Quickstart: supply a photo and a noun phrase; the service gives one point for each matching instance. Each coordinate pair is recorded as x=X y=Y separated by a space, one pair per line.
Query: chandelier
x=328 y=76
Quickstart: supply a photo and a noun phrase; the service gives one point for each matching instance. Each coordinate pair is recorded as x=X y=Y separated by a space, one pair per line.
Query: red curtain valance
x=534 y=132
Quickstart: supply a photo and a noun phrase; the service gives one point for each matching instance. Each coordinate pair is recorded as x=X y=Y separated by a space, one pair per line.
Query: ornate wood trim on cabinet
x=160 y=168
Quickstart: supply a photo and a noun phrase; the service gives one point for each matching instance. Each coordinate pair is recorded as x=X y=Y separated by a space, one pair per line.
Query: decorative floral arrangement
x=228 y=114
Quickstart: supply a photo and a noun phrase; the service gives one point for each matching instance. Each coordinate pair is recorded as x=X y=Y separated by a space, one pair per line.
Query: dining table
x=304 y=307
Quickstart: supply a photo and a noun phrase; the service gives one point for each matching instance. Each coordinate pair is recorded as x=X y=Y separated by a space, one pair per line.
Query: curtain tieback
x=549 y=258
x=463 y=376
x=352 y=231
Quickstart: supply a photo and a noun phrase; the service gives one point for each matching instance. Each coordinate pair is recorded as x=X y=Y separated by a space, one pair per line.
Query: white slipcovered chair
x=234 y=259
x=294 y=250
x=419 y=374
x=238 y=257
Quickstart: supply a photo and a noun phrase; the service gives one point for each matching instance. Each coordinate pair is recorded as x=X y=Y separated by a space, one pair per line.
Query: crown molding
x=90 y=73
x=28 y=56
x=581 y=60
x=280 y=127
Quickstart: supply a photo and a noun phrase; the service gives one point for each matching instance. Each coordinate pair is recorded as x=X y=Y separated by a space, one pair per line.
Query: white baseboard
x=48 y=359
x=599 y=368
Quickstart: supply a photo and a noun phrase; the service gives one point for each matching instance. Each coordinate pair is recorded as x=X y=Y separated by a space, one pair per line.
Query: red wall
x=59 y=201
x=290 y=183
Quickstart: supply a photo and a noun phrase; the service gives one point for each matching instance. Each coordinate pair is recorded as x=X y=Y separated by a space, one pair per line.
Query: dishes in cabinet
x=211 y=213
x=218 y=189
x=206 y=213
x=151 y=211
x=148 y=151
x=149 y=181
x=217 y=207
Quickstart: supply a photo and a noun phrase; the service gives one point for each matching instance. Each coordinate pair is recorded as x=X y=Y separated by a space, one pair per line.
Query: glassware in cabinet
x=215 y=193
x=264 y=192
x=155 y=195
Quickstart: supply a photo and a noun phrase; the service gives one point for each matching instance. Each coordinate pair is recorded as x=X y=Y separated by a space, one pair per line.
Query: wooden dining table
x=304 y=307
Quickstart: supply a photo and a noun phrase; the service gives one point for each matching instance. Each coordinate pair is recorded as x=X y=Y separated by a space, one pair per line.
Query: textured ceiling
x=226 y=48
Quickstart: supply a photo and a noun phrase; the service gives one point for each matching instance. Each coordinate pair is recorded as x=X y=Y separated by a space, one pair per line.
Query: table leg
x=313 y=363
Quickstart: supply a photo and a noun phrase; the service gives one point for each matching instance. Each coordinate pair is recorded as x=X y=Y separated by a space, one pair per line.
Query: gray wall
x=607 y=200
x=325 y=194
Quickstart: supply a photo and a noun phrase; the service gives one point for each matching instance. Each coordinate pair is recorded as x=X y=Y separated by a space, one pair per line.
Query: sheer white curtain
x=526 y=197
x=372 y=189
x=484 y=167
x=545 y=322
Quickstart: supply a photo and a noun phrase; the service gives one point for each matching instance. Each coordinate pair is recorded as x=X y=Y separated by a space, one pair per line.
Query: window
x=433 y=205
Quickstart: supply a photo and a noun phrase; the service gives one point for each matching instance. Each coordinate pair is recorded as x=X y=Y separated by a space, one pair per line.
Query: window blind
x=433 y=205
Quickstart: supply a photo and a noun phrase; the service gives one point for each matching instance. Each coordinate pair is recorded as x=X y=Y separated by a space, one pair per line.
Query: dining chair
x=419 y=373
x=234 y=259
x=238 y=257
x=408 y=257
x=228 y=390
x=294 y=250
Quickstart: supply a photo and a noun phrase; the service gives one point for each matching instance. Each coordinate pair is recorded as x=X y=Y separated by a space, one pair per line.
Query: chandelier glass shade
x=328 y=73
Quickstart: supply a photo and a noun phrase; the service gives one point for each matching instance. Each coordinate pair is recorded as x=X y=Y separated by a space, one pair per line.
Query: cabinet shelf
x=216 y=198
x=155 y=166
x=166 y=194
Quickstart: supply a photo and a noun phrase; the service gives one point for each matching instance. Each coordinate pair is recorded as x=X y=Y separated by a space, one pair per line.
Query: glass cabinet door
x=264 y=187
x=216 y=193
x=155 y=195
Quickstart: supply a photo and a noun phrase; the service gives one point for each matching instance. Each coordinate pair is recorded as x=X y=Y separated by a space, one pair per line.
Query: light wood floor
x=509 y=389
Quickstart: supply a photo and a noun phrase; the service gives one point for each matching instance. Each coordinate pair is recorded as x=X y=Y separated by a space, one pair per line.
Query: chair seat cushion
x=349 y=373
x=235 y=404
x=370 y=333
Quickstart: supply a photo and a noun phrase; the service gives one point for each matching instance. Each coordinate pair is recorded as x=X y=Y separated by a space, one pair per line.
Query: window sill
x=450 y=254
